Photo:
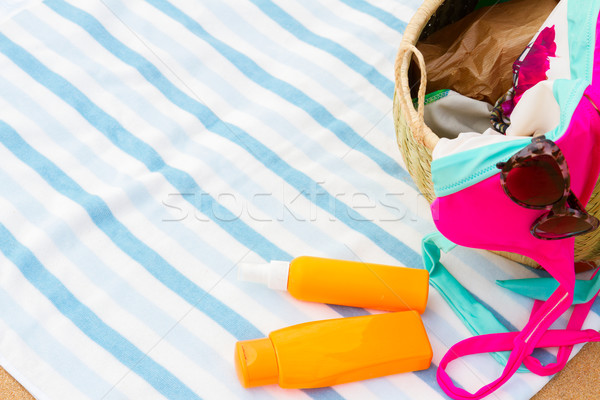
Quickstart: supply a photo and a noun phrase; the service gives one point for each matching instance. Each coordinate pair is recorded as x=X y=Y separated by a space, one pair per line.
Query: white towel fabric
x=147 y=147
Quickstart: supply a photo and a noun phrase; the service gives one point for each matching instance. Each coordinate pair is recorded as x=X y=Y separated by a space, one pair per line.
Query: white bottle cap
x=273 y=274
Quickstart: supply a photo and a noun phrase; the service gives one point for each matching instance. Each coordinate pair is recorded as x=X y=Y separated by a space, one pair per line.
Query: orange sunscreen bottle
x=348 y=283
x=329 y=352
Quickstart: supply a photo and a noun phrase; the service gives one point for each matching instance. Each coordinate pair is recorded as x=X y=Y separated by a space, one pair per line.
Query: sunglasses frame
x=568 y=205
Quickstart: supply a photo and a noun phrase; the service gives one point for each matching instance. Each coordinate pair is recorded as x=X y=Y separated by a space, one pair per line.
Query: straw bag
x=520 y=194
x=416 y=140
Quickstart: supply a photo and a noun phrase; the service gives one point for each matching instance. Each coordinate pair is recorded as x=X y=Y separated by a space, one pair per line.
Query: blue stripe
x=236 y=98
x=289 y=23
x=378 y=13
x=88 y=322
x=127 y=142
x=59 y=357
x=370 y=35
x=429 y=376
x=139 y=104
x=117 y=289
x=304 y=64
x=127 y=296
x=213 y=363
x=137 y=193
x=155 y=211
x=86 y=260
x=271 y=160
x=148 y=258
x=346 y=311
x=253 y=71
x=125 y=240
x=325 y=393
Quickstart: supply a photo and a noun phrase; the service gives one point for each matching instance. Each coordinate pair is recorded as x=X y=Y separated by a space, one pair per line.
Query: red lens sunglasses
x=537 y=177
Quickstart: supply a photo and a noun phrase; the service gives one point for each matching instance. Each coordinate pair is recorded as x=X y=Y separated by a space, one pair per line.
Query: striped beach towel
x=148 y=147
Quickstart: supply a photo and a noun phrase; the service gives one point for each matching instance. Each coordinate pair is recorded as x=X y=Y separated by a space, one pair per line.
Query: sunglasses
x=537 y=177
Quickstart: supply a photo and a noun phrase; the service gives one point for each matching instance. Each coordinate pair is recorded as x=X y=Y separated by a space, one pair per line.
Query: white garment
x=468 y=141
x=536 y=113
x=450 y=113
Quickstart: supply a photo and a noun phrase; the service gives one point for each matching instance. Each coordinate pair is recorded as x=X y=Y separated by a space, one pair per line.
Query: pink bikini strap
x=534 y=334
x=580 y=313
x=502 y=342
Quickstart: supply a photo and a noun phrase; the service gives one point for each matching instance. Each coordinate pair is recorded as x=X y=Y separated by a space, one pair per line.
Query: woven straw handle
x=420 y=131
x=405 y=53
x=415 y=119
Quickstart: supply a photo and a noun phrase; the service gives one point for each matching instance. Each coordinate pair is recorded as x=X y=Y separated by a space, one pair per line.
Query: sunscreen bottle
x=330 y=352
x=348 y=283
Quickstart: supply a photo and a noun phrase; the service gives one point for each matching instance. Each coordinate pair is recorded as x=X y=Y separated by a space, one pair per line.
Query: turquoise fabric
x=478 y=319
x=542 y=288
x=568 y=93
x=458 y=171
x=461 y=170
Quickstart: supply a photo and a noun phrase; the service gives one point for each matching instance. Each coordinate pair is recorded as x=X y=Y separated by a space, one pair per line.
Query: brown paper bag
x=474 y=56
